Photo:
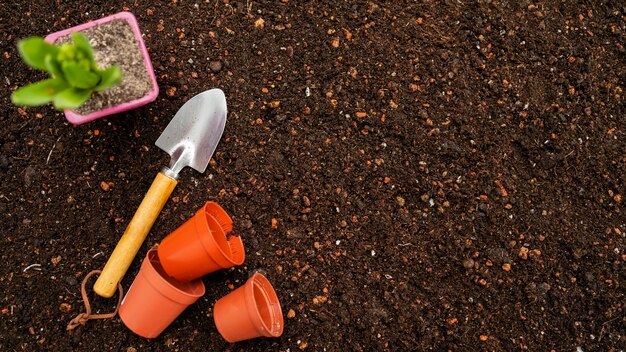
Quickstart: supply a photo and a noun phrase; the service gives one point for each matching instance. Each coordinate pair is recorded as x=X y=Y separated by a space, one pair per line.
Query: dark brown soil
x=114 y=43
x=440 y=175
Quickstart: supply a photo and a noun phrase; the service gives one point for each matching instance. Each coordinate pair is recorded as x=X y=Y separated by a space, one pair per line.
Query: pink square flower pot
x=77 y=119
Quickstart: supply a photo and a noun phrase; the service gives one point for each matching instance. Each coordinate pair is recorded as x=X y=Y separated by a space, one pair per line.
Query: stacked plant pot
x=170 y=280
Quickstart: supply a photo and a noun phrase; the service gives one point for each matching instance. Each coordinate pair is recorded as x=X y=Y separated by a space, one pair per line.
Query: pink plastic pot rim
x=167 y=286
x=270 y=298
x=77 y=119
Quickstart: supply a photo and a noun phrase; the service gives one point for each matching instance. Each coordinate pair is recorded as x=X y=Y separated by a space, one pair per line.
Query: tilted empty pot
x=155 y=299
x=250 y=311
x=200 y=246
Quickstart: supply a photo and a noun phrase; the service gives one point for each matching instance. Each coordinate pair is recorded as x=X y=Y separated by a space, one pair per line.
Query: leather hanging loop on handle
x=82 y=318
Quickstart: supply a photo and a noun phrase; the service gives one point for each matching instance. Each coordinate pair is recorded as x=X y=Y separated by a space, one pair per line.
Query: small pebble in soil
x=468 y=263
x=544 y=288
x=274 y=104
x=499 y=255
x=29 y=174
x=70 y=280
x=215 y=66
x=523 y=253
x=400 y=201
x=4 y=162
x=291 y=314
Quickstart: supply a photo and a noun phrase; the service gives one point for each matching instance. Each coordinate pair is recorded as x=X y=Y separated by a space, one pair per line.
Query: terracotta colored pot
x=154 y=300
x=250 y=311
x=76 y=118
x=199 y=246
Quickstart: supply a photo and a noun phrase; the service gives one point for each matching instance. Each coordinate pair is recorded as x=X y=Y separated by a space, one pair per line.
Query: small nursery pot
x=199 y=246
x=250 y=311
x=77 y=118
x=154 y=299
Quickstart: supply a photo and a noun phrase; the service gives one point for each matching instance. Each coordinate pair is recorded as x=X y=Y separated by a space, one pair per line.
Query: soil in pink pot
x=114 y=43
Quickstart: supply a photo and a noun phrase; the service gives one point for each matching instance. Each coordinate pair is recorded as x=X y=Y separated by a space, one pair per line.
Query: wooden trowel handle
x=135 y=233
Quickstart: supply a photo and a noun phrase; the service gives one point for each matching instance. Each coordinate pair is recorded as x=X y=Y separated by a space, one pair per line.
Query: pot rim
x=178 y=291
x=275 y=329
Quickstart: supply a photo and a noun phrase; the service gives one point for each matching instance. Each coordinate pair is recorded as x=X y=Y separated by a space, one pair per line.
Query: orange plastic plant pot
x=250 y=311
x=199 y=246
x=154 y=299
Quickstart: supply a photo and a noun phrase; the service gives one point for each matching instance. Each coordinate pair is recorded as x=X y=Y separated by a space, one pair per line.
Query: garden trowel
x=190 y=139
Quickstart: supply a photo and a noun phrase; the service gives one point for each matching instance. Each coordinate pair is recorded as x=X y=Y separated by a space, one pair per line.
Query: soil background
x=411 y=175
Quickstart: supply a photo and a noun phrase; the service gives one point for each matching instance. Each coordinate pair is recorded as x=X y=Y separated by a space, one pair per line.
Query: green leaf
x=83 y=44
x=53 y=66
x=78 y=76
x=34 y=50
x=67 y=52
x=71 y=98
x=39 y=93
x=85 y=64
x=109 y=77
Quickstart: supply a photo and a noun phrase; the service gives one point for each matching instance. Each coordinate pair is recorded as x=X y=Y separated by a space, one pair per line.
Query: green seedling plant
x=74 y=74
